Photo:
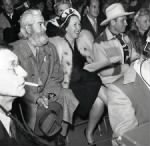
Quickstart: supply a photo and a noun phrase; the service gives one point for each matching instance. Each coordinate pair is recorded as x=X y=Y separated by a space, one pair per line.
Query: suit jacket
x=86 y=24
x=5 y=139
x=9 y=28
x=46 y=72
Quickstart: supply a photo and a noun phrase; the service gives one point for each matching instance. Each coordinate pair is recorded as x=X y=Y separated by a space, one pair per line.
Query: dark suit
x=86 y=24
x=5 y=139
x=9 y=27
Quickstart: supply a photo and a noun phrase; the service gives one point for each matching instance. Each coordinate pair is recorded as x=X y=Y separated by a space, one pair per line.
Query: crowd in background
x=69 y=47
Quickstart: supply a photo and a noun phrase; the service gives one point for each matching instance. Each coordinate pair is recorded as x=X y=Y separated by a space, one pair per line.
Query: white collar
x=91 y=20
x=109 y=35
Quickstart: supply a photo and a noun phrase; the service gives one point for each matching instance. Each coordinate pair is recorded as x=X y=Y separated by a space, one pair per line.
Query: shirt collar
x=109 y=35
x=91 y=20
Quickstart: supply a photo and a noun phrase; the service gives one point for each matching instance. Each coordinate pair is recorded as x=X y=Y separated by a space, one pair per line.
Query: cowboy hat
x=48 y=121
x=113 y=11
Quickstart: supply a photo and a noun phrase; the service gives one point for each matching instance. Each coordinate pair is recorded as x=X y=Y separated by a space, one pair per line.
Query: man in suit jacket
x=9 y=26
x=91 y=21
x=40 y=59
x=11 y=86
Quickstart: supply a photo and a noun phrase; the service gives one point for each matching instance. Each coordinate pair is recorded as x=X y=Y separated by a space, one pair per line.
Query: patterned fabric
x=124 y=47
x=121 y=108
x=75 y=77
x=66 y=15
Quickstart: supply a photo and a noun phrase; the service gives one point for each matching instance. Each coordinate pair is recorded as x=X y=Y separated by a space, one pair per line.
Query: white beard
x=39 y=39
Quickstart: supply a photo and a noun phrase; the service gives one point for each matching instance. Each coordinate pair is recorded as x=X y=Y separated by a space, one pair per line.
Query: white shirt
x=6 y=122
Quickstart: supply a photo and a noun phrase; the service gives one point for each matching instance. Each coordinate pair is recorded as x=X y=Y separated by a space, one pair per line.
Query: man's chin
x=43 y=41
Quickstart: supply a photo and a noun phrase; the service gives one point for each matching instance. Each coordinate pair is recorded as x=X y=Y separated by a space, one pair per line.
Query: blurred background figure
x=22 y=5
x=9 y=26
x=139 y=29
x=91 y=21
x=49 y=9
x=53 y=24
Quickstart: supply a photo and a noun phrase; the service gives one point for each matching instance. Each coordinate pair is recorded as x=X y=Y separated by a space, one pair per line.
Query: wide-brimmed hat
x=48 y=121
x=113 y=11
x=67 y=14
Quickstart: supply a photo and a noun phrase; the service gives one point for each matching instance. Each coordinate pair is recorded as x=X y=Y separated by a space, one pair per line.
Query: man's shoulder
x=19 y=43
x=102 y=37
x=20 y=47
x=50 y=48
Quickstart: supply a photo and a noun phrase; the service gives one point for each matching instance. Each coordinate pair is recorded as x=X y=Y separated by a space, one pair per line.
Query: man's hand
x=43 y=101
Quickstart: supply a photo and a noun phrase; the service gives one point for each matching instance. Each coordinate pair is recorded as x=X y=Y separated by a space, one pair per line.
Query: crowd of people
x=79 y=57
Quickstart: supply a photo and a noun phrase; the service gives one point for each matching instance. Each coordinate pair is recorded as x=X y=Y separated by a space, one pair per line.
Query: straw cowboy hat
x=113 y=11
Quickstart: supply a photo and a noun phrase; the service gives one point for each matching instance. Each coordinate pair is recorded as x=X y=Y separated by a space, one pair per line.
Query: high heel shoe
x=89 y=143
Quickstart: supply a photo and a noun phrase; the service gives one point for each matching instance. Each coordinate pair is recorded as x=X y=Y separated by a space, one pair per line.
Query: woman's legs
x=94 y=116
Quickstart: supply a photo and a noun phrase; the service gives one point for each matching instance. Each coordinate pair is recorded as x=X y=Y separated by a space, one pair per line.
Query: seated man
x=127 y=95
x=9 y=26
x=11 y=86
x=40 y=59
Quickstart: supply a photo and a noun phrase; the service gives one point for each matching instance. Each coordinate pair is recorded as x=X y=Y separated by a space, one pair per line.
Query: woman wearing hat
x=84 y=84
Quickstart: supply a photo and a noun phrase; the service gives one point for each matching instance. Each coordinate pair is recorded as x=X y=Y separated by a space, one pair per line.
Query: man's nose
x=21 y=72
x=44 y=27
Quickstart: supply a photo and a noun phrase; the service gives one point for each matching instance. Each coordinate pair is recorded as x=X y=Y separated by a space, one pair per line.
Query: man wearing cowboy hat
x=120 y=78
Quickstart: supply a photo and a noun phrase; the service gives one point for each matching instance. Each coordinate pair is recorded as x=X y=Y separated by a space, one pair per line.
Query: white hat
x=113 y=11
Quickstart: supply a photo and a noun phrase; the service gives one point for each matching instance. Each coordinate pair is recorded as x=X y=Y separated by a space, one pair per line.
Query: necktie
x=95 y=25
x=125 y=48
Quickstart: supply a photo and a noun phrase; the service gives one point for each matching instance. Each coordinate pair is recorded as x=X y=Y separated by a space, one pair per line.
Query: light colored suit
x=121 y=107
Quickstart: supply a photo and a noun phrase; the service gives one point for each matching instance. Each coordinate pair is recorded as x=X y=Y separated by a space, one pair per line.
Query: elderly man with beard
x=39 y=58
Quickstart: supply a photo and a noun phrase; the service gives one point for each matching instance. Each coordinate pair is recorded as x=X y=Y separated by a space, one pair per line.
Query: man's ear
x=28 y=29
x=113 y=22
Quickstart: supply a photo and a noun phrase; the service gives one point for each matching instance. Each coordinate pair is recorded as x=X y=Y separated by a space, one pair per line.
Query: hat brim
x=48 y=121
x=113 y=17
